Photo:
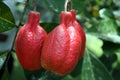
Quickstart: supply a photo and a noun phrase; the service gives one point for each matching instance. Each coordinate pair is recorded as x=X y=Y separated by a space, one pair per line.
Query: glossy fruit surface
x=29 y=42
x=62 y=47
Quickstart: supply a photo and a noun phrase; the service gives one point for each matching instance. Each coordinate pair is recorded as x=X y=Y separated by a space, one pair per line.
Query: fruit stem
x=68 y=5
x=34 y=2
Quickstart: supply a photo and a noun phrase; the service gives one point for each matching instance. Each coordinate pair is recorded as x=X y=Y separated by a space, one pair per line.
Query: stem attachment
x=34 y=3
x=68 y=5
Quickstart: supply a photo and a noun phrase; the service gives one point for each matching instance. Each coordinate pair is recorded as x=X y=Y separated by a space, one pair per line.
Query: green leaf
x=118 y=56
x=107 y=25
x=6 y=18
x=58 y=5
x=6 y=75
x=77 y=69
x=106 y=13
x=17 y=71
x=68 y=77
x=5 y=25
x=79 y=5
x=109 y=37
x=37 y=74
x=116 y=63
x=5 y=12
x=93 y=69
x=49 y=76
x=94 y=44
x=49 y=26
x=2 y=59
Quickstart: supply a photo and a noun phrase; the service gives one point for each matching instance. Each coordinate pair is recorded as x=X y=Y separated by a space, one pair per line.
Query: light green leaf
x=95 y=45
x=118 y=56
x=93 y=69
x=6 y=18
x=108 y=37
x=117 y=61
x=107 y=25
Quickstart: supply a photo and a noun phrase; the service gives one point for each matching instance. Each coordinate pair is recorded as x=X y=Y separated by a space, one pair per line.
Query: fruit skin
x=29 y=42
x=62 y=47
x=82 y=33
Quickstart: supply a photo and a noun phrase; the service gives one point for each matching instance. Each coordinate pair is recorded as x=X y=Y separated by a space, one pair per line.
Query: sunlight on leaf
x=95 y=45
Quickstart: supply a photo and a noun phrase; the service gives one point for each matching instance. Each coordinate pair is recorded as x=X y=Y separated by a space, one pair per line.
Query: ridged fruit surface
x=29 y=42
x=82 y=33
x=63 y=46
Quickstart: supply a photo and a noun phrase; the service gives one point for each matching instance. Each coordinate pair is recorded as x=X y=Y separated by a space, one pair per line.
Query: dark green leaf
x=6 y=75
x=68 y=77
x=49 y=26
x=17 y=71
x=50 y=76
x=34 y=74
x=77 y=69
x=6 y=18
x=5 y=12
x=5 y=25
x=79 y=5
x=93 y=69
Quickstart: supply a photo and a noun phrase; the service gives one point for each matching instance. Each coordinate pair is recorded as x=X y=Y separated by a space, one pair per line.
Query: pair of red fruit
x=58 y=52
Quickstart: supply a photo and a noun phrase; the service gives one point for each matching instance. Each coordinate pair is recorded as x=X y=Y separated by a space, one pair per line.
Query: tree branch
x=19 y=24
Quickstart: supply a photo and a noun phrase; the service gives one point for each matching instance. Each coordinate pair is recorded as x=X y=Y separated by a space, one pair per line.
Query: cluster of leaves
x=101 y=22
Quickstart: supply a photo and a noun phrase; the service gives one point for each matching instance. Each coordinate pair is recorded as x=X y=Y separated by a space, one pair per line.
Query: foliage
x=100 y=20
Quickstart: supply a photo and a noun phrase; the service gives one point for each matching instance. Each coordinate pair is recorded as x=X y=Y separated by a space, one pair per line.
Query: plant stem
x=68 y=5
x=17 y=29
x=34 y=2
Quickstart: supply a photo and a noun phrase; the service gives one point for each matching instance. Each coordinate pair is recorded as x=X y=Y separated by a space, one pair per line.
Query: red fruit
x=62 y=47
x=82 y=33
x=29 y=42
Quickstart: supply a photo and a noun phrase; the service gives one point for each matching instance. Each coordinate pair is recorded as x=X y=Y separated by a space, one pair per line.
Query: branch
x=20 y=23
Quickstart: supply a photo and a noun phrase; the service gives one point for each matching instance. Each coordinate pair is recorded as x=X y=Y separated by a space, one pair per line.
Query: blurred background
x=100 y=20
